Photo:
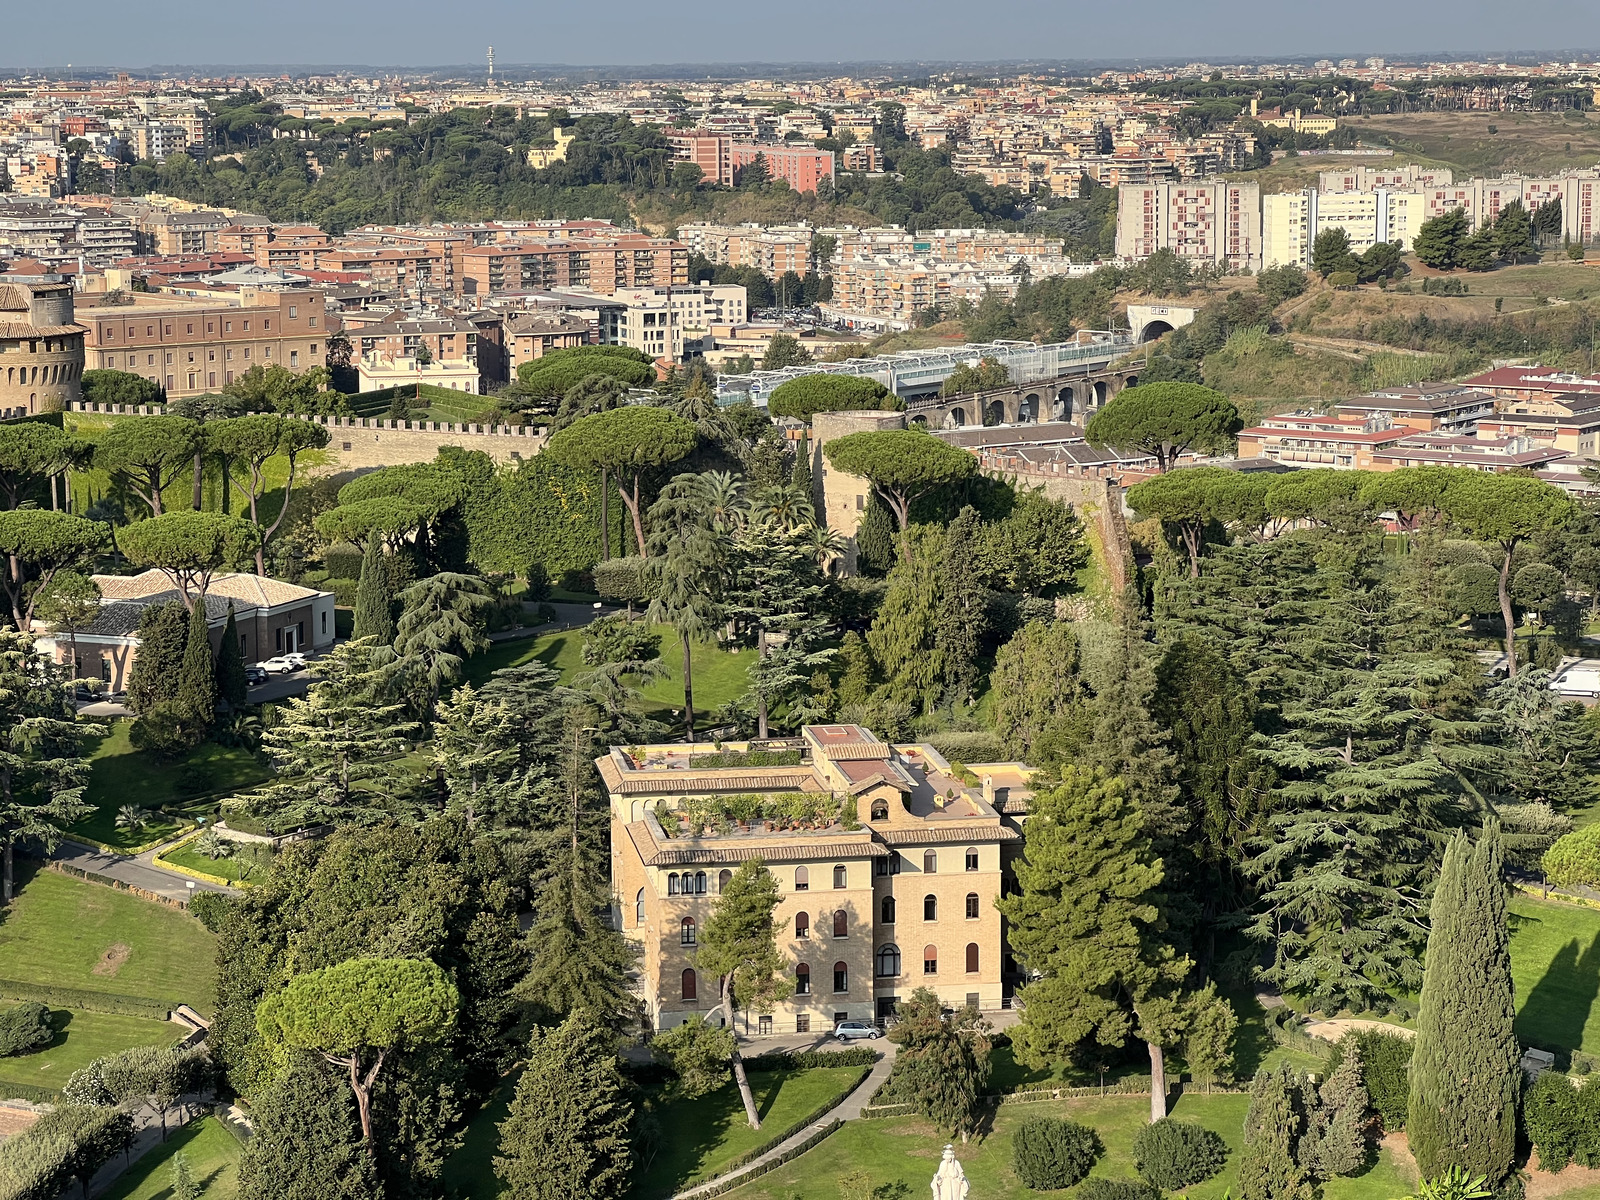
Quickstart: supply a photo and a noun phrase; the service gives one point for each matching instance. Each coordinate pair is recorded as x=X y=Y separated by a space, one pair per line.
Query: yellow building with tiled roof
x=888 y=860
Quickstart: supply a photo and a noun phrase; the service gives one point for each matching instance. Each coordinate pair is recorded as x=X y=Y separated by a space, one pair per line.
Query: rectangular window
x=294 y=311
x=294 y=358
x=227 y=327
x=211 y=379
x=764 y=1026
x=802 y=1023
x=169 y=358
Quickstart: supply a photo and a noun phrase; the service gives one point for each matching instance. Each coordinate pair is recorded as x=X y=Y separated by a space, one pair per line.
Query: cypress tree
x=163 y=632
x=875 y=548
x=1464 y=1070
x=1269 y=1166
x=569 y=1129
x=959 y=629
x=1339 y=1123
x=374 y=615
x=307 y=1143
x=197 y=681
x=801 y=478
x=232 y=686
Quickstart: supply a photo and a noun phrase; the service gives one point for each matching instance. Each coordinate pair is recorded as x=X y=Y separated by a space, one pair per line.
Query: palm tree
x=783 y=506
x=824 y=545
x=687 y=563
x=132 y=818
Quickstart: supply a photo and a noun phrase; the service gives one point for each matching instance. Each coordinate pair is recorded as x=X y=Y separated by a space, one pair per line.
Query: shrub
x=1343 y=279
x=810 y=394
x=621 y=579
x=1100 y=1188
x=1050 y=1153
x=538 y=579
x=342 y=561
x=616 y=639
x=1385 y=1067
x=209 y=908
x=1174 y=1154
x=1550 y=1116
x=1575 y=858
x=344 y=591
x=24 y=1027
x=977 y=747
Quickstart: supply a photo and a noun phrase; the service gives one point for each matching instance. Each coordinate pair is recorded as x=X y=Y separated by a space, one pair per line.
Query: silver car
x=849 y=1031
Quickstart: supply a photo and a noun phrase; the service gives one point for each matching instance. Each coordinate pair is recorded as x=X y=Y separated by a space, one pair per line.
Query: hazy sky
x=110 y=33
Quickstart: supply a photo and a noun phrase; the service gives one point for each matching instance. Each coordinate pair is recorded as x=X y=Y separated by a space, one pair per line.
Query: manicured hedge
x=796 y=1060
x=87 y=1001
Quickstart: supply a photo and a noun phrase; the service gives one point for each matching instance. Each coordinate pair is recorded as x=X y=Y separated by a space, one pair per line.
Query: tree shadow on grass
x=60 y=1019
x=1558 y=1006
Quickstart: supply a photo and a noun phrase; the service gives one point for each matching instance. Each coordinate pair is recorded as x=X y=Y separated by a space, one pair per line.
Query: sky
x=424 y=33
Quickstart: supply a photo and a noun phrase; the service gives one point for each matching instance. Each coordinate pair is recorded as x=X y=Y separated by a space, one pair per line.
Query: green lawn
x=1555 y=963
x=245 y=866
x=697 y=1136
x=82 y=1037
x=61 y=927
x=213 y=1155
x=902 y=1154
x=719 y=676
x=119 y=774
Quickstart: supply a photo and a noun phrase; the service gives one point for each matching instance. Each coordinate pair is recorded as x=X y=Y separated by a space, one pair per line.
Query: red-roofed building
x=1319 y=440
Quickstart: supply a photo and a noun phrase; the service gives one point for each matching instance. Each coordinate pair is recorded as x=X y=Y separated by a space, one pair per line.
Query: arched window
x=802 y=879
x=972 y=958
x=802 y=980
x=930 y=908
x=672 y=884
x=839 y=876
x=888 y=961
x=930 y=960
x=686 y=931
x=700 y=883
x=888 y=910
x=722 y=879
x=930 y=862
x=841 y=924
x=880 y=810
x=841 y=976
x=638 y=908
x=802 y=925
x=689 y=984
x=972 y=906
x=972 y=858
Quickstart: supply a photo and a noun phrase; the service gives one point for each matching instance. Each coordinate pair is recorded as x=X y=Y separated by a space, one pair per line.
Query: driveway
x=137 y=871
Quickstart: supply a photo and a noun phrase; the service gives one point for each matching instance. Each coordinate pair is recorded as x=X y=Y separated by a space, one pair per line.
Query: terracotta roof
x=610 y=773
x=943 y=835
x=256 y=591
x=870 y=774
x=14 y=329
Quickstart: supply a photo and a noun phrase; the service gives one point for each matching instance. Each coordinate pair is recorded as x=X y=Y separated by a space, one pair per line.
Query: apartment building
x=157 y=140
x=888 y=862
x=723 y=158
x=1291 y=221
x=1309 y=439
x=532 y=335
x=599 y=265
x=772 y=250
x=1407 y=178
x=194 y=348
x=1208 y=223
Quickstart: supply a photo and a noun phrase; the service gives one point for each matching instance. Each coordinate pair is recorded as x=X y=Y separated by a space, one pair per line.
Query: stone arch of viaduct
x=1067 y=398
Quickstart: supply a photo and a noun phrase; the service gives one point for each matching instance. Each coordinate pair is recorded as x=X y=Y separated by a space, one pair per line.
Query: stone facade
x=888 y=864
x=41 y=345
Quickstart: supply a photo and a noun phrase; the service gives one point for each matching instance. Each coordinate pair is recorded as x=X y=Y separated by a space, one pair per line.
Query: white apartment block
x=1407 y=178
x=1211 y=223
x=1291 y=221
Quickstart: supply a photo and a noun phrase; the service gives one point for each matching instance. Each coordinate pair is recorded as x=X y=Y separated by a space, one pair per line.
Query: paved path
x=848 y=1110
x=138 y=871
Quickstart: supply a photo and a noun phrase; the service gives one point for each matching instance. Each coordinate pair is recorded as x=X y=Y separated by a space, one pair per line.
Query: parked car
x=849 y=1031
x=281 y=665
x=255 y=674
x=298 y=659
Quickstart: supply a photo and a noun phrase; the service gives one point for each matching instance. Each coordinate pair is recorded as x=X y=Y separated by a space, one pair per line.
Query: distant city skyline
x=417 y=34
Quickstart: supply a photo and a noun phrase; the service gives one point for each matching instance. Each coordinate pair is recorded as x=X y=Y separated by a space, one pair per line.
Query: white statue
x=951 y=1181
